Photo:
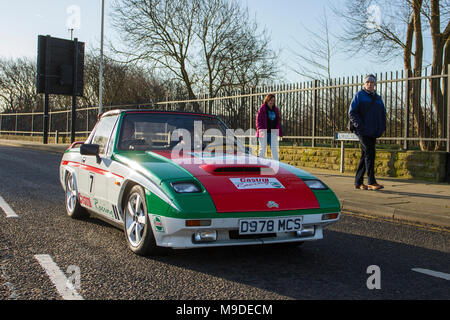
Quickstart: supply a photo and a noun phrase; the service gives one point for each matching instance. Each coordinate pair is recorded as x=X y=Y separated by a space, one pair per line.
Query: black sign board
x=60 y=70
x=56 y=64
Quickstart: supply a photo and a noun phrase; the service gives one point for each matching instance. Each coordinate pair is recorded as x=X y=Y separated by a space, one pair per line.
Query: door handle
x=83 y=159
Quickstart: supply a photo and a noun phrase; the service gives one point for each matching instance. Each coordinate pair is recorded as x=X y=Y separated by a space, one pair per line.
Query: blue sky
x=21 y=21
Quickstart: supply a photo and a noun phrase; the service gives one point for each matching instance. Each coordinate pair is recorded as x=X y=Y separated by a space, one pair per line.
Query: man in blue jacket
x=367 y=114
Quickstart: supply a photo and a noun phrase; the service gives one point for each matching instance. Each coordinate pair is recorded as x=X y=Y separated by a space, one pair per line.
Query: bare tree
x=367 y=29
x=208 y=45
x=441 y=58
x=249 y=57
x=160 y=32
x=399 y=31
x=123 y=83
x=17 y=85
x=313 y=60
x=314 y=55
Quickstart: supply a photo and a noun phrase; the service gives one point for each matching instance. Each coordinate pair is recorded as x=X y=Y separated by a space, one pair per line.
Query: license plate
x=270 y=225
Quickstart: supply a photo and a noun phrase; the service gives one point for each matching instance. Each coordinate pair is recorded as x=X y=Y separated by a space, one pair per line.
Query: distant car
x=139 y=171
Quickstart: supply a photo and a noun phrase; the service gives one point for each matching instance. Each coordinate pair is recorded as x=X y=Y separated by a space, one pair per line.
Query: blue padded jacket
x=369 y=118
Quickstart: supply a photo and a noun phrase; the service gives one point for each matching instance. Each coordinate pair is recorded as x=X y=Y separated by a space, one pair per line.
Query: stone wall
x=430 y=166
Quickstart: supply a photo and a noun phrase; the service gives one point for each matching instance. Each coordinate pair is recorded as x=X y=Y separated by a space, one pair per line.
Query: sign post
x=46 y=97
x=100 y=87
x=342 y=137
x=60 y=70
x=74 y=92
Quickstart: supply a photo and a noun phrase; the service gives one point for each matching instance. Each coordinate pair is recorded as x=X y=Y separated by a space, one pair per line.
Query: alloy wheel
x=135 y=219
x=71 y=194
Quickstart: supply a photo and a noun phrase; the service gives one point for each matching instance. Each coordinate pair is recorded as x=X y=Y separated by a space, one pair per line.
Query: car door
x=108 y=183
x=94 y=172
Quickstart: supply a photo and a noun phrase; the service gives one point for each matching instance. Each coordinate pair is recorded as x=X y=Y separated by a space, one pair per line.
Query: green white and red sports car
x=184 y=180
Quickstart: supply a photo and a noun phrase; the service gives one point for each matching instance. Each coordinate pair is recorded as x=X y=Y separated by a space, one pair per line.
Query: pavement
x=413 y=201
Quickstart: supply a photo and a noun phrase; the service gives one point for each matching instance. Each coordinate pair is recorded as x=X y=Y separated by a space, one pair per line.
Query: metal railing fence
x=311 y=111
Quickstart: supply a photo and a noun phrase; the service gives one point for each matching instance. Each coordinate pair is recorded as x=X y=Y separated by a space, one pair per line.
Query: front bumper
x=173 y=233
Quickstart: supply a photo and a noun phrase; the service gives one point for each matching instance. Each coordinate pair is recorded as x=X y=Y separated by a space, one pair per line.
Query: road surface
x=41 y=250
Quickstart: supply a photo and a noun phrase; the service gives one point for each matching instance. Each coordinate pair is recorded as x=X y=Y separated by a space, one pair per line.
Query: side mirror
x=90 y=150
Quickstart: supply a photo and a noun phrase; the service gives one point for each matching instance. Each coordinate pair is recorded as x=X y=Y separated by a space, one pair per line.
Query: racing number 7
x=91 y=182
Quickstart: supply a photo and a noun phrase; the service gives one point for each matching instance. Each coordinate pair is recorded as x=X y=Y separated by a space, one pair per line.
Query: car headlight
x=186 y=187
x=315 y=184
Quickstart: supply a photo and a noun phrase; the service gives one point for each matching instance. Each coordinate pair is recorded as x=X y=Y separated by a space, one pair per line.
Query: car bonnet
x=236 y=186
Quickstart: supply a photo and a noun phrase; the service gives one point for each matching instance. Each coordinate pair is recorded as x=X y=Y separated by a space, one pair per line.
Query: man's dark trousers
x=367 y=161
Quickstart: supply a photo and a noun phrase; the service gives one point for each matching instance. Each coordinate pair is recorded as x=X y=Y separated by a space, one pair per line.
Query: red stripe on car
x=90 y=168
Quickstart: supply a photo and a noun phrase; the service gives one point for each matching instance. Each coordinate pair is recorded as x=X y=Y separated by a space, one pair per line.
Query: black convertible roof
x=119 y=111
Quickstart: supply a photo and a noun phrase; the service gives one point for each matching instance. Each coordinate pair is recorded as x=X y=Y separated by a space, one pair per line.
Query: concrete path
x=401 y=199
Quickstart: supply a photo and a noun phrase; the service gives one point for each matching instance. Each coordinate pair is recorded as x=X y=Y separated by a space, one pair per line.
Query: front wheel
x=137 y=227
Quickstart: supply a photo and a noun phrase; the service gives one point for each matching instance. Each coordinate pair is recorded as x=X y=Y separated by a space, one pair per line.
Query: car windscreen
x=162 y=131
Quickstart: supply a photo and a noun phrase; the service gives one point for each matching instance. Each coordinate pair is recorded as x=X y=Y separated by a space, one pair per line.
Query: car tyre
x=137 y=226
x=73 y=207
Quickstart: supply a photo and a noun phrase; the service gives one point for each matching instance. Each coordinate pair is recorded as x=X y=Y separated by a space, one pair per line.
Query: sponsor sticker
x=158 y=223
x=85 y=201
x=103 y=208
x=256 y=183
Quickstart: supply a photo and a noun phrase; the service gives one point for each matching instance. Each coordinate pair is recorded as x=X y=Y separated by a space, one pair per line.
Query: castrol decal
x=246 y=183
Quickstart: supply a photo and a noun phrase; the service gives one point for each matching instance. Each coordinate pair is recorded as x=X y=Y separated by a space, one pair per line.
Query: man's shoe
x=375 y=186
x=361 y=186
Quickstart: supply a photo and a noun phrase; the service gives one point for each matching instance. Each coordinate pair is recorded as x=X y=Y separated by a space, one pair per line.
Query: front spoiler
x=173 y=233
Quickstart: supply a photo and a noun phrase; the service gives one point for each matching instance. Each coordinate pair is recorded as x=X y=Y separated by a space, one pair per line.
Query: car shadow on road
x=332 y=268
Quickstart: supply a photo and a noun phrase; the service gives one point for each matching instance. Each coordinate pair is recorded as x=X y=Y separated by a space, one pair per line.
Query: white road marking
x=9 y=212
x=432 y=273
x=58 y=278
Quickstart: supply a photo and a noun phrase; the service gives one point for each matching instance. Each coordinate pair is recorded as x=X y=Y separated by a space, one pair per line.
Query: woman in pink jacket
x=268 y=127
